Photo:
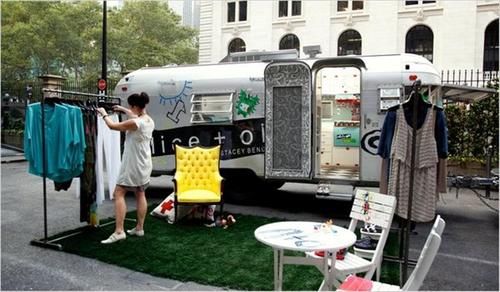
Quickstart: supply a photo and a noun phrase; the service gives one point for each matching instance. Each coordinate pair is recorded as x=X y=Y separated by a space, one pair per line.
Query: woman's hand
x=119 y=108
x=102 y=111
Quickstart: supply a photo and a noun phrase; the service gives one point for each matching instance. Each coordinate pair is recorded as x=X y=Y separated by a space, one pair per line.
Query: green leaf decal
x=246 y=103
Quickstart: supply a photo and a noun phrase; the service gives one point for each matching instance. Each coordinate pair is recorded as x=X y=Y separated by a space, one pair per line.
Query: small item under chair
x=135 y=232
x=371 y=228
x=114 y=238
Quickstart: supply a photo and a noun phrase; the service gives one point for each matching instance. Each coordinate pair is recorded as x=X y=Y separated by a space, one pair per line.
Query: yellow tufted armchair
x=197 y=180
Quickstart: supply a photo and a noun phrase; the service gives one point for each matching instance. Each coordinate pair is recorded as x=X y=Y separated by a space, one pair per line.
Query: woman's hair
x=139 y=100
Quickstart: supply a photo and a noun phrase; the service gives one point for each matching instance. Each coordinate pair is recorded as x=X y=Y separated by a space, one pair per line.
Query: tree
x=61 y=37
x=148 y=33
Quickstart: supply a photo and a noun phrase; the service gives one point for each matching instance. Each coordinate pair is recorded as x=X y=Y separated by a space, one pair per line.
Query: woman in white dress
x=136 y=167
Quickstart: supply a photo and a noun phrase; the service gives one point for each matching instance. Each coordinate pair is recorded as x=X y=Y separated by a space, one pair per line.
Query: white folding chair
x=372 y=208
x=424 y=263
x=427 y=255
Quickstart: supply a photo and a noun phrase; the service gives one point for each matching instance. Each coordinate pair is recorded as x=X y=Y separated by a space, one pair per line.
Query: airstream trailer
x=313 y=120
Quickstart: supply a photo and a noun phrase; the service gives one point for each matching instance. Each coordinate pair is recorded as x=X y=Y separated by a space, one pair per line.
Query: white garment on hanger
x=108 y=147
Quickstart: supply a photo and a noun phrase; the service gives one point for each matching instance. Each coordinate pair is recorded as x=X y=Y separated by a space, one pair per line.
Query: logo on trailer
x=370 y=141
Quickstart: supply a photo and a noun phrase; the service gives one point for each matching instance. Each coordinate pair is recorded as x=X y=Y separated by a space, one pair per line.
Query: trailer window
x=211 y=108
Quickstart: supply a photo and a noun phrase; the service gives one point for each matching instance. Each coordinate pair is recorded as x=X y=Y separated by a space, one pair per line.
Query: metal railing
x=470 y=77
x=18 y=88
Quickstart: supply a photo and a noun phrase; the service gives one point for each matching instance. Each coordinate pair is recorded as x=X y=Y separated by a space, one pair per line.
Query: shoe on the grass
x=135 y=232
x=114 y=238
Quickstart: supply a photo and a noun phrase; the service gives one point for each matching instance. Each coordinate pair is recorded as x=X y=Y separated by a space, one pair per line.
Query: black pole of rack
x=415 y=92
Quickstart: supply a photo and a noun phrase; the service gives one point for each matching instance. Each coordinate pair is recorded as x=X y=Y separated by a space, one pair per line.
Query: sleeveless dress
x=137 y=165
x=426 y=165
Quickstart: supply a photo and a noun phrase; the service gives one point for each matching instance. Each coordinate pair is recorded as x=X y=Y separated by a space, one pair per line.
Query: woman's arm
x=128 y=125
x=128 y=112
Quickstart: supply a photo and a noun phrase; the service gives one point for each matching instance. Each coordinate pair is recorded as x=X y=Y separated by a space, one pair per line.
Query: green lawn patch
x=230 y=258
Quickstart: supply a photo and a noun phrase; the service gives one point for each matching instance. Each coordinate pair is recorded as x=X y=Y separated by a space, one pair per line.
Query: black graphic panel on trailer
x=242 y=138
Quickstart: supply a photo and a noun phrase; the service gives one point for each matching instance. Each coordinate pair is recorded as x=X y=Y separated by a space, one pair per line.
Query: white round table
x=304 y=236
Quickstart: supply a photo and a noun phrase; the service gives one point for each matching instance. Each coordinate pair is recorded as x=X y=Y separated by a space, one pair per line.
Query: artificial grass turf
x=230 y=258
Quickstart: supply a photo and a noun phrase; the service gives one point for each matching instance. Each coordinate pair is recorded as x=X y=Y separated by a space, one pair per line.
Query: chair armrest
x=174 y=180
x=222 y=182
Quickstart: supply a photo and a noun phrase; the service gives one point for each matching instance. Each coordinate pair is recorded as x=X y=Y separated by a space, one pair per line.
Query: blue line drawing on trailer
x=188 y=86
x=179 y=108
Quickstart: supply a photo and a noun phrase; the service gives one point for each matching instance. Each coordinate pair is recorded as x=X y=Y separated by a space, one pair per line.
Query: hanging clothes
x=107 y=150
x=430 y=168
x=64 y=143
x=88 y=177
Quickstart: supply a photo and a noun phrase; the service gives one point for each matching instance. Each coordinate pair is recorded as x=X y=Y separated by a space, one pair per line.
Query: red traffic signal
x=101 y=84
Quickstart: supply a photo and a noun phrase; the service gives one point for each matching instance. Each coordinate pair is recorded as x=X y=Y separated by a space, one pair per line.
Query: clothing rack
x=44 y=242
x=413 y=95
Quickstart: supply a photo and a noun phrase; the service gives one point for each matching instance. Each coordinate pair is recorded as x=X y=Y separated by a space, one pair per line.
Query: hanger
x=416 y=96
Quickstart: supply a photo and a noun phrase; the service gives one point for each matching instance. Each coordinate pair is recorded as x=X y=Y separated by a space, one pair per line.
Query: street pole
x=104 y=72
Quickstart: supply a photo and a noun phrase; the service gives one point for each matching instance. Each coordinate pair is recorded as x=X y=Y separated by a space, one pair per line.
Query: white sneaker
x=135 y=232
x=114 y=238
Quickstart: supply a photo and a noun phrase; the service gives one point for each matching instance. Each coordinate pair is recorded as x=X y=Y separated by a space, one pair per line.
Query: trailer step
x=334 y=196
x=341 y=193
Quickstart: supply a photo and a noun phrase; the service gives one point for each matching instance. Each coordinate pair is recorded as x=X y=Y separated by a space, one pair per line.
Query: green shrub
x=469 y=129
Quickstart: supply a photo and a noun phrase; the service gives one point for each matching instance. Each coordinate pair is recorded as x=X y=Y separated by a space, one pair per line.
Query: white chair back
x=427 y=256
x=439 y=225
x=373 y=208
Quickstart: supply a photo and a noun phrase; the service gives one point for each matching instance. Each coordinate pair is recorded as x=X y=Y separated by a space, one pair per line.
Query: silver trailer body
x=270 y=117
x=207 y=105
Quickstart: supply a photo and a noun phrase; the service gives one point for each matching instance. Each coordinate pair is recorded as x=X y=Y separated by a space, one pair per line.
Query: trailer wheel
x=273 y=184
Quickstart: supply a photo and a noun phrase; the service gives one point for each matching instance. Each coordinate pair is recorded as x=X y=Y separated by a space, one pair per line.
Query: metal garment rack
x=45 y=242
x=406 y=238
x=404 y=231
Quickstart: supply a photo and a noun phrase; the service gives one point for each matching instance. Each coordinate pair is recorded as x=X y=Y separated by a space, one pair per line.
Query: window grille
x=420 y=41
x=490 y=57
x=237 y=45
x=290 y=41
x=349 y=43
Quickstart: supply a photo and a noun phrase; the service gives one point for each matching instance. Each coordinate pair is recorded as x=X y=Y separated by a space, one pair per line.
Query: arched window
x=349 y=43
x=490 y=58
x=290 y=41
x=236 y=45
x=420 y=41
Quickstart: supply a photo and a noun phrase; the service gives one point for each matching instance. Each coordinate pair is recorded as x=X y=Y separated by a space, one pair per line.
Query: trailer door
x=288 y=130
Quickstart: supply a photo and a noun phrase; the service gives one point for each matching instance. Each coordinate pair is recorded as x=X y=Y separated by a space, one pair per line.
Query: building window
x=349 y=5
x=290 y=41
x=490 y=58
x=236 y=45
x=288 y=8
x=349 y=43
x=236 y=8
x=419 y=2
x=420 y=41
x=243 y=10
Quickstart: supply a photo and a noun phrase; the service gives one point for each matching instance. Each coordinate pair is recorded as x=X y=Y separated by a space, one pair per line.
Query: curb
x=13 y=160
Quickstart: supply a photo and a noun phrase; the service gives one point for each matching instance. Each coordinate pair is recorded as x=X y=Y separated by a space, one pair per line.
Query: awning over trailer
x=464 y=93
